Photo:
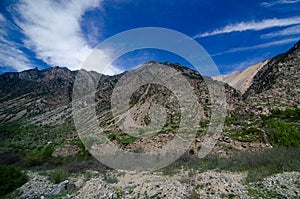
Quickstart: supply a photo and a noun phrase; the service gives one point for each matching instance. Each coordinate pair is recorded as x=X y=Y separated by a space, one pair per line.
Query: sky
x=235 y=33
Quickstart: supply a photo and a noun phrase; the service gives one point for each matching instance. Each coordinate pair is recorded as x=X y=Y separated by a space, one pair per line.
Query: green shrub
x=112 y=136
x=281 y=133
x=11 y=178
x=127 y=140
x=264 y=163
x=111 y=179
x=83 y=152
x=232 y=118
x=58 y=175
x=38 y=157
x=288 y=113
x=258 y=164
x=248 y=134
x=47 y=151
x=34 y=158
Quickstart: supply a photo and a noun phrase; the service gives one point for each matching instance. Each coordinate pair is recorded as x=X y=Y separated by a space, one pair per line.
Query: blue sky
x=63 y=33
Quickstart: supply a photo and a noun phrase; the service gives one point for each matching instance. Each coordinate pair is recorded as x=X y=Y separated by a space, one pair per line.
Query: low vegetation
x=58 y=175
x=11 y=178
x=248 y=134
x=282 y=133
x=258 y=164
x=26 y=147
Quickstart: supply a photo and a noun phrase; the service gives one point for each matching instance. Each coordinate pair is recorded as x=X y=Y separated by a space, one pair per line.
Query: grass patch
x=248 y=135
x=127 y=140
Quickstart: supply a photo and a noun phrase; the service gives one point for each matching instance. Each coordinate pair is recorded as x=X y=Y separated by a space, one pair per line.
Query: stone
x=153 y=193
x=61 y=187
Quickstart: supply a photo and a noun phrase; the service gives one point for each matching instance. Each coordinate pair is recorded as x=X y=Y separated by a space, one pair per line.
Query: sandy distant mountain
x=241 y=80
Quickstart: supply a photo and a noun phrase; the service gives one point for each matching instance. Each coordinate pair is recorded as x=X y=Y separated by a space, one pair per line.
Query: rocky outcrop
x=276 y=84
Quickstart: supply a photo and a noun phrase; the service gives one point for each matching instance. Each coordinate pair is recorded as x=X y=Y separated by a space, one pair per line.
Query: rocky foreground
x=184 y=184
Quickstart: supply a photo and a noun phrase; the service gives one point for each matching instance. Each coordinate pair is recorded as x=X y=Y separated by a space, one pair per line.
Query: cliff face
x=276 y=84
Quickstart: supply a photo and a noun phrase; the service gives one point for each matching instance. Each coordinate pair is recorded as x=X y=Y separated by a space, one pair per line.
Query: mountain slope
x=41 y=102
x=241 y=80
x=276 y=84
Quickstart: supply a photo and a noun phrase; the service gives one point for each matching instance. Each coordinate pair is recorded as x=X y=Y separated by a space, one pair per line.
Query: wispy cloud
x=293 y=30
x=53 y=30
x=10 y=53
x=11 y=56
x=260 y=46
x=260 y=25
x=278 y=2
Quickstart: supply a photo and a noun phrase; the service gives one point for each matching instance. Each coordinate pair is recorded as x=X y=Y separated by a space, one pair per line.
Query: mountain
x=241 y=80
x=42 y=101
x=37 y=132
x=276 y=84
x=268 y=85
x=43 y=97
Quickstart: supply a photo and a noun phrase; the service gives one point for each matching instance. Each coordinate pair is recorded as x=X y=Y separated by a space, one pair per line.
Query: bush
x=282 y=133
x=288 y=113
x=111 y=179
x=39 y=157
x=11 y=178
x=58 y=175
x=34 y=158
x=233 y=118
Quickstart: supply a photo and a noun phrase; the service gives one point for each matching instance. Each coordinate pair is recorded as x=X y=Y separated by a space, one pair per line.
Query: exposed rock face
x=276 y=84
x=48 y=93
x=33 y=92
x=241 y=80
x=61 y=187
x=271 y=84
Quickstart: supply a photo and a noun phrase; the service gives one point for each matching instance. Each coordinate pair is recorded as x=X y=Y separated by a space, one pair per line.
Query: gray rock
x=61 y=187
x=112 y=196
x=153 y=193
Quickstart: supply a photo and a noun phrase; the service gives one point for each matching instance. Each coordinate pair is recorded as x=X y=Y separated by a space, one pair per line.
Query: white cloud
x=279 y=2
x=293 y=30
x=244 y=26
x=12 y=56
x=10 y=53
x=265 y=45
x=99 y=60
x=53 y=31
